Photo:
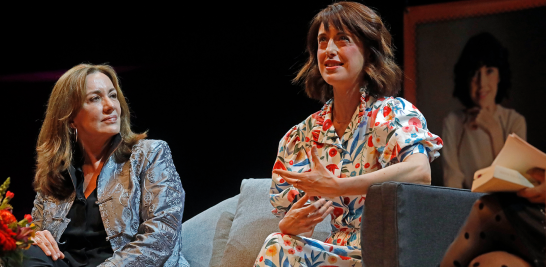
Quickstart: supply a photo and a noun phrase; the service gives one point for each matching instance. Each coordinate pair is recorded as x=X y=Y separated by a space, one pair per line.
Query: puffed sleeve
x=162 y=205
x=291 y=156
x=452 y=131
x=400 y=130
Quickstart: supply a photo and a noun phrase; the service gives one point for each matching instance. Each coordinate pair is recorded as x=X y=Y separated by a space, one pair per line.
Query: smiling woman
x=475 y=135
x=326 y=163
x=105 y=195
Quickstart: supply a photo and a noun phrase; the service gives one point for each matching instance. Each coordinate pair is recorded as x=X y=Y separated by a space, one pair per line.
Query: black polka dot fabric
x=500 y=222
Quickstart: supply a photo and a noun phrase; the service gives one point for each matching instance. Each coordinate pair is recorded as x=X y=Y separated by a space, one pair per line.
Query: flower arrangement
x=14 y=236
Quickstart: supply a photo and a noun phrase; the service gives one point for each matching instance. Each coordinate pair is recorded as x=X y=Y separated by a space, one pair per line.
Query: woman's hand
x=484 y=118
x=537 y=193
x=303 y=219
x=318 y=182
x=47 y=243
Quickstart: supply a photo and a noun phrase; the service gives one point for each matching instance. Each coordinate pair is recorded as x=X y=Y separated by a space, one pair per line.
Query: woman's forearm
x=415 y=169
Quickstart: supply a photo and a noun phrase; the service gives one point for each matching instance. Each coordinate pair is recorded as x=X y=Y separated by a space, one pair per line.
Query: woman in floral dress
x=361 y=136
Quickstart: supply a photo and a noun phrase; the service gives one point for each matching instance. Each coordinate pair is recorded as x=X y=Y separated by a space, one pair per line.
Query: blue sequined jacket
x=141 y=203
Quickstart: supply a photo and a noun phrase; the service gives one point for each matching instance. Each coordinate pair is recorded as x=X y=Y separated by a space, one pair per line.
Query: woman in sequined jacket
x=105 y=195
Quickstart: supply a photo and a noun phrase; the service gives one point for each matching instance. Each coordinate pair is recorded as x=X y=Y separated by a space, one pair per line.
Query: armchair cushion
x=253 y=222
x=411 y=225
x=199 y=245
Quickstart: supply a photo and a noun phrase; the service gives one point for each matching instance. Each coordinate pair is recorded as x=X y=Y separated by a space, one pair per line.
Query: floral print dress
x=382 y=132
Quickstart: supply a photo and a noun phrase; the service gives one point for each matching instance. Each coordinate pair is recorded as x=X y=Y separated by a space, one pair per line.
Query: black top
x=84 y=240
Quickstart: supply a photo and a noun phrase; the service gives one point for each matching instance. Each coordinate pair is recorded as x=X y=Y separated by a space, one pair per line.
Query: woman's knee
x=35 y=256
x=498 y=259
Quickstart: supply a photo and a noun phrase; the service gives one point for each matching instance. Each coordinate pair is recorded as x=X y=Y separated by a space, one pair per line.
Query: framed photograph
x=434 y=37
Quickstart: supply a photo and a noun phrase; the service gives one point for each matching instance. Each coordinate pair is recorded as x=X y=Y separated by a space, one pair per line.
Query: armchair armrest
x=411 y=225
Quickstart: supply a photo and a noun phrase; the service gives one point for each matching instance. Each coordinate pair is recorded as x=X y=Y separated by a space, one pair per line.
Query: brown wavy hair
x=381 y=73
x=55 y=147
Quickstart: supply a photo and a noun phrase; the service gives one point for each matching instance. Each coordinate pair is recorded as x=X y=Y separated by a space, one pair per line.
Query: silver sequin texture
x=120 y=188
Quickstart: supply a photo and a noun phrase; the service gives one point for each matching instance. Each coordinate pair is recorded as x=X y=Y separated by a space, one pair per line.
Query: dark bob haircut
x=381 y=74
x=481 y=50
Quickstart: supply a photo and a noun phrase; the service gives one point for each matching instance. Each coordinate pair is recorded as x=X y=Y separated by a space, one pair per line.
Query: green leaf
x=389 y=136
x=271 y=242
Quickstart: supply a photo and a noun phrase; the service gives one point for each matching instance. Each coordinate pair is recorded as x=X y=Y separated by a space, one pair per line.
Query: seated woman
x=475 y=135
x=503 y=229
x=361 y=136
x=105 y=196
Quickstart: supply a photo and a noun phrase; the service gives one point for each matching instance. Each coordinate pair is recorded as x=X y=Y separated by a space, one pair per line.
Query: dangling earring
x=364 y=89
x=75 y=132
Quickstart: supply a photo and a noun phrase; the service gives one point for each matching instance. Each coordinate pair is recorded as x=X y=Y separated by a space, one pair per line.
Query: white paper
x=519 y=155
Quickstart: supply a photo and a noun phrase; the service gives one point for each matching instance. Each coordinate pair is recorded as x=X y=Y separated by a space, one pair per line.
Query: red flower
x=429 y=134
x=307 y=139
x=415 y=121
x=370 y=141
x=315 y=134
x=345 y=258
x=333 y=152
x=439 y=141
x=361 y=198
x=320 y=145
x=291 y=162
x=338 y=212
x=319 y=119
x=279 y=166
x=299 y=248
x=386 y=111
x=406 y=129
x=292 y=194
x=346 y=200
x=291 y=251
x=261 y=258
x=357 y=166
x=287 y=243
x=326 y=125
x=369 y=113
x=367 y=165
x=377 y=124
x=281 y=181
x=28 y=218
x=7 y=243
x=9 y=194
x=332 y=167
x=374 y=113
x=7 y=217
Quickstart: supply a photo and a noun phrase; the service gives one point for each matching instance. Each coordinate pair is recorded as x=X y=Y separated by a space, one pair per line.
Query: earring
x=75 y=133
x=364 y=89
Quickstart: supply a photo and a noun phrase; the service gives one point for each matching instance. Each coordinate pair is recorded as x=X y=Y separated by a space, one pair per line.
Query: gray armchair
x=403 y=225
x=411 y=225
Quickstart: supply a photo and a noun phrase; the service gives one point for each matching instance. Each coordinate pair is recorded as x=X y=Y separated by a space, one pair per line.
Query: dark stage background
x=213 y=80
